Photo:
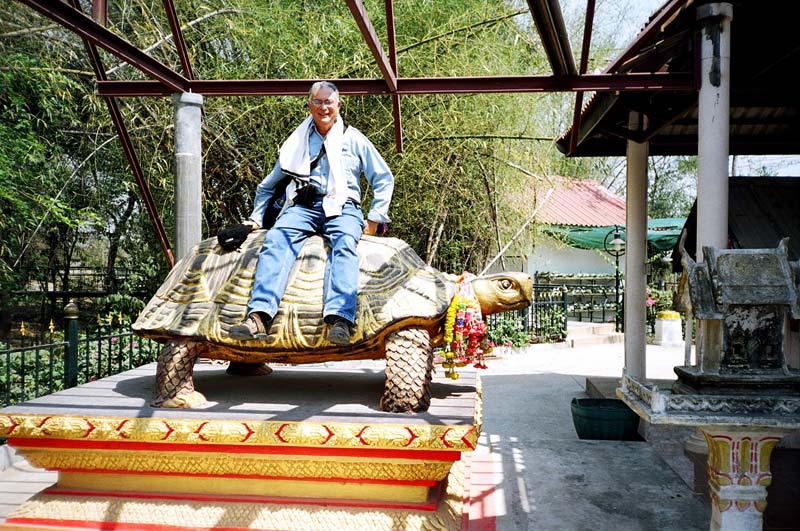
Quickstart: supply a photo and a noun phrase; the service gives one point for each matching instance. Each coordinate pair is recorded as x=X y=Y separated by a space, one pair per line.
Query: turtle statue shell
x=207 y=293
x=399 y=316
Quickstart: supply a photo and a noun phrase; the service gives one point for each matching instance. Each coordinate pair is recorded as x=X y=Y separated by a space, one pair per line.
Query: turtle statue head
x=502 y=292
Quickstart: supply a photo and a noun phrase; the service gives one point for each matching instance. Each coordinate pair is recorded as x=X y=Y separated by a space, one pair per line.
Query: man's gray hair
x=322 y=84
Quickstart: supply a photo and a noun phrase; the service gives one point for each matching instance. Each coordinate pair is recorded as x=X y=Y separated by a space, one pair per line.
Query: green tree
x=671 y=186
x=472 y=163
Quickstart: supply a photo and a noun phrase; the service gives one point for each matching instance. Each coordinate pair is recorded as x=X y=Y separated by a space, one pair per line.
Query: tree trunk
x=111 y=280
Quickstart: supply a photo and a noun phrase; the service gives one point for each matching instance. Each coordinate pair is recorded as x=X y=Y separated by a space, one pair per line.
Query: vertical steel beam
x=398 y=123
x=177 y=35
x=130 y=154
x=100 y=12
x=587 y=41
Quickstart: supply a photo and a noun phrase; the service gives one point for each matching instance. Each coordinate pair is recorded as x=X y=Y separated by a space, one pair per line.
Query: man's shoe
x=339 y=333
x=255 y=326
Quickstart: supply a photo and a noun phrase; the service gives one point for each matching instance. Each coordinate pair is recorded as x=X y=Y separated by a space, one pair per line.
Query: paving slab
x=553 y=480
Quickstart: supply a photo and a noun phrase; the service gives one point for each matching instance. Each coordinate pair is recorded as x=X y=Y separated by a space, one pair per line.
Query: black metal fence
x=554 y=303
x=545 y=320
x=592 y=298
x=80 y=279
x=592 y=302
x=70 y=359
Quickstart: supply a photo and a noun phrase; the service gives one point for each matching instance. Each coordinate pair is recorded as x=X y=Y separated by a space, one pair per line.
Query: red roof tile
x=582 y=202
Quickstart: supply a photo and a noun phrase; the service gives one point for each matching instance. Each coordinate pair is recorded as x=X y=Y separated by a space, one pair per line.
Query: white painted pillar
x=712 y=153
x=636 y=255
x=188 y=172
x=713 y=126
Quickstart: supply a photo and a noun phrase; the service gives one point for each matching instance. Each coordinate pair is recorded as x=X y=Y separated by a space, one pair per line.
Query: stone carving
x=741 y=297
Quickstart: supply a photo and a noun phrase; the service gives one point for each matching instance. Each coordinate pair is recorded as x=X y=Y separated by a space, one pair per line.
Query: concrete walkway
x=550 y=479
x=545 y=477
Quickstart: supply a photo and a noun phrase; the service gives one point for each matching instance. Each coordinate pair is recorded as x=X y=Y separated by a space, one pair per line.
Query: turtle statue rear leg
x=409 y=367
x=174 y=385
x=244 y=368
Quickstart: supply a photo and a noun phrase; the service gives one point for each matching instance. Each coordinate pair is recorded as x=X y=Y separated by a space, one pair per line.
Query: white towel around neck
x=295 y=160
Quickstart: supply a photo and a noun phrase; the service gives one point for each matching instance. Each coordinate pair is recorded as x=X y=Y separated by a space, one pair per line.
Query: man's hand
x=252 y=224
x=372 y=228
x=375 y=228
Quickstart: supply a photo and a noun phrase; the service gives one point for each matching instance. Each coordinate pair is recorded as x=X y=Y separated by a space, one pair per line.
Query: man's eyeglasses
x=318 y=102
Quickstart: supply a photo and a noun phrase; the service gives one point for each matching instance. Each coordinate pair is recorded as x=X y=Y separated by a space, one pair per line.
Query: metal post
x=635 y=309
x=188 y=172
x=71 y=360
x=616 y=293
x=713 y=121
x=564 y=294
x=615 y=248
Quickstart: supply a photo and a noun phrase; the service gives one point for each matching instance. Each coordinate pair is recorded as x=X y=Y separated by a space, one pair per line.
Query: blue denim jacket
x=358 y=156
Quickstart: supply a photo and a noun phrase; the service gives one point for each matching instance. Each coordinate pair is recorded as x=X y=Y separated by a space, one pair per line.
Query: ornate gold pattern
x=221 y=464
x=354 y=492
x=210 y=514
x=246 y=433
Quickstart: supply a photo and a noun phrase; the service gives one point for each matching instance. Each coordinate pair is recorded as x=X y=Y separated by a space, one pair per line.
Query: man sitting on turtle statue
x=322 y=160
x=405 y=308
x=313 y=289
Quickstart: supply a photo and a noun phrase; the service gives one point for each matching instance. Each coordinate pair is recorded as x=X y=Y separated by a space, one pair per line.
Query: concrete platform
x=536 y=473
x=553 y=480
x=316 y=393
x=268 y=452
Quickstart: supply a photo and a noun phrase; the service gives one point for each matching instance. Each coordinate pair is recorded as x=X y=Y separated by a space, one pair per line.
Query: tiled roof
x=582 y=202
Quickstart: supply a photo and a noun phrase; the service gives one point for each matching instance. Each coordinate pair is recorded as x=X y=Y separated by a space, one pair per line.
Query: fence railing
x=30 y=371
x=556 y=303
x=544 y=320
x=592 y=302
x=79 y=279
x=592 y=298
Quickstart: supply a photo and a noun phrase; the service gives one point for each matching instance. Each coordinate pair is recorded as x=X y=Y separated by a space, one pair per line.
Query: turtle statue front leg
x=174 y=385
x=409 y=368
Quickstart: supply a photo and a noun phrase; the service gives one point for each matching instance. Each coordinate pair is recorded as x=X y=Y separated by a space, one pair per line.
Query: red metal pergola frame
x=164 y=81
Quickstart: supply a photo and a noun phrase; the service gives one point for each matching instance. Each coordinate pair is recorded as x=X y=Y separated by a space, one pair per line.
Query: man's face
x=324 y=107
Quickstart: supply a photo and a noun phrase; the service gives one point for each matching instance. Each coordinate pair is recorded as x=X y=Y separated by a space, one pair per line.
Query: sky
x=624 y=19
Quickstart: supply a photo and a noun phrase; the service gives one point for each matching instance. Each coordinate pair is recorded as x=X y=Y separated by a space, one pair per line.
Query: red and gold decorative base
x=201 y=471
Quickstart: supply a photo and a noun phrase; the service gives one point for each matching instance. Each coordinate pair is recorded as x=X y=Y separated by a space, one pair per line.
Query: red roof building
x=582 y=202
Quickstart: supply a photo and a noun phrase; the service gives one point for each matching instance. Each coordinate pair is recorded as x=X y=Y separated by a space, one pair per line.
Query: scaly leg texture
x=409 y=367
x=174 y=385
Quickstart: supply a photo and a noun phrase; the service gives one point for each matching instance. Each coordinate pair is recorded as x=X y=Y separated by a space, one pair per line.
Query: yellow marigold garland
x=465 y=331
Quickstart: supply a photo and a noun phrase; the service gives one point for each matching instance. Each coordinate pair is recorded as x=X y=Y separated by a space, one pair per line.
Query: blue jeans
x=283 y=243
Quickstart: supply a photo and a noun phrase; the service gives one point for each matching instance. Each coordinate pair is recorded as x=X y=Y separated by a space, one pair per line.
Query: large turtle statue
x=402 y=304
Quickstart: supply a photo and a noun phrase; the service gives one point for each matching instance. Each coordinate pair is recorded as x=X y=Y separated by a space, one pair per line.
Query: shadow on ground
x=555 y=481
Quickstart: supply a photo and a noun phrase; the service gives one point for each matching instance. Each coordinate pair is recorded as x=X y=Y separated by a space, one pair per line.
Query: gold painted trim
x=242 y=432
x=210 y=514
x=243 y=487
x=249 y=465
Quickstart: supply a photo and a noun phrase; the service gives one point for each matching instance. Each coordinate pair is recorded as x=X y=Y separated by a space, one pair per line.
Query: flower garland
x=465 y=331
